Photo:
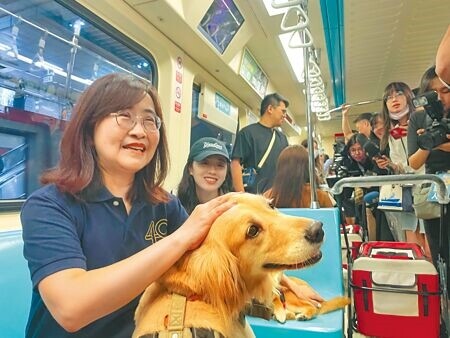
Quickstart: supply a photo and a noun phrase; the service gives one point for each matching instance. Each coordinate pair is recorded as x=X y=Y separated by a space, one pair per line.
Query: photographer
x=428 y=143
x=356 y=160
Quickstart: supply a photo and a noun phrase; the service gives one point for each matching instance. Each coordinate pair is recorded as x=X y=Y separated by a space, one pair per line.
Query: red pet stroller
x=396 y=292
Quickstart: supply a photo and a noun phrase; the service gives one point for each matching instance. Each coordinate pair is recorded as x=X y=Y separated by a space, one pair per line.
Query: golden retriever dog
x=287 y=306
x=235 y=264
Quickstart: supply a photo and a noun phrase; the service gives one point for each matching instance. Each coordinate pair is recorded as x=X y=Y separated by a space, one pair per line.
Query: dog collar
x=256 y=309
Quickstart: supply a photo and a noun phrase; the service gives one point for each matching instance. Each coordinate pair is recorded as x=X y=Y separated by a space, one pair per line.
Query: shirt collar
x=96 y=193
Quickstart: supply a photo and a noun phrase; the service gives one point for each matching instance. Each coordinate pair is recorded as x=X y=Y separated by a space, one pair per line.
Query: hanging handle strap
x=266 y=154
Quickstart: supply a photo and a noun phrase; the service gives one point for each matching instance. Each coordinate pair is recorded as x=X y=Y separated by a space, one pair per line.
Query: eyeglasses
x=127 y=121
x=395 y=95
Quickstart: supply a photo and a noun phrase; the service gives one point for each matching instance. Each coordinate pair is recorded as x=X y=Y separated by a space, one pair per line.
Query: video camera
x=371 y=148
x=435 y=134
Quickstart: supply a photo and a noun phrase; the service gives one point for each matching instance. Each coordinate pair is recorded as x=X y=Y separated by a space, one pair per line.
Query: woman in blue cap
x=206 y=174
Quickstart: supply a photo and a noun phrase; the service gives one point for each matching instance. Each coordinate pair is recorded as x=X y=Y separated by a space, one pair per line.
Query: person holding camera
x=396 y=111
x=428 y=143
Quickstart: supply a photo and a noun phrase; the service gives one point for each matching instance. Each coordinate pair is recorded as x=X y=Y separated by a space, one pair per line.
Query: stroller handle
x=370 y=181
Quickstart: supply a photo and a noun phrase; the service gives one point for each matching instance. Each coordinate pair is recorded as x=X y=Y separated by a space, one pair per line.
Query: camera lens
x=433 y=137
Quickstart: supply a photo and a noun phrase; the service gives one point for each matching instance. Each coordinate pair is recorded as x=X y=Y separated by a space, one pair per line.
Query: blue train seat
x=15 y=285
x=325 y=277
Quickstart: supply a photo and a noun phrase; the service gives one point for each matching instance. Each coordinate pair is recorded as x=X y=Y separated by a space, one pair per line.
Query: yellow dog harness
x=175 y=327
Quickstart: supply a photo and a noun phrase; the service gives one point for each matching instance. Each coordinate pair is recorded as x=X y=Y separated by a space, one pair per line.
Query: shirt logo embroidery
x=156 y=231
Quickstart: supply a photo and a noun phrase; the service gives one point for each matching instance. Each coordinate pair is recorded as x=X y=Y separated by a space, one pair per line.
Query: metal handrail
x=370 y=181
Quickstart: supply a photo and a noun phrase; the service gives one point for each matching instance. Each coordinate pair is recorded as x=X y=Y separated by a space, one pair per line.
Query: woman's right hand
x=202 y=217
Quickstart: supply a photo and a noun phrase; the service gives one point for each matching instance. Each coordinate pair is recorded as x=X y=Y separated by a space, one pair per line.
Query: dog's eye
x=253 y=231
x=271 y=204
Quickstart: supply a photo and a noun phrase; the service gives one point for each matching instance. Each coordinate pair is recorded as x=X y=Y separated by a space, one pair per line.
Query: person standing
x=436 y=159
x=260 y=141
x=397 y=109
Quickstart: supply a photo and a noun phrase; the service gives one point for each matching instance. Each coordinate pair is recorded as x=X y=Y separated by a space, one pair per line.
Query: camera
x=435 y=134
x=371 y=148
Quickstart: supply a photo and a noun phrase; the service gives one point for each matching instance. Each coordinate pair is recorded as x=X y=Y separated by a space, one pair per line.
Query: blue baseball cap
x=207 y=146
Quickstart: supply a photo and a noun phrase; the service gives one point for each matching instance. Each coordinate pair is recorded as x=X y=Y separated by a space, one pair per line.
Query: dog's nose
x=315 y=232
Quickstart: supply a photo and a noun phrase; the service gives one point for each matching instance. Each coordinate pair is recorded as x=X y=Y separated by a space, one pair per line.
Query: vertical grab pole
x=302 y=29
x=311 y=164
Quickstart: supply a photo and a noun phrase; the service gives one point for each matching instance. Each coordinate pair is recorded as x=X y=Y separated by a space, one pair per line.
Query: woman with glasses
x=396 y=111
x=103 y=228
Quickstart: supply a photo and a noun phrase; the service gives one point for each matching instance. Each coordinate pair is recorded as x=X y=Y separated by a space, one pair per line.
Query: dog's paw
x=300 y=316
x=280 y=315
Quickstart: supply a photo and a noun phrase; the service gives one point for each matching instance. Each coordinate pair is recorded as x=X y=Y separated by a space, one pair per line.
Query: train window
x=221 y=23
x=253 y=73
x=49 y=53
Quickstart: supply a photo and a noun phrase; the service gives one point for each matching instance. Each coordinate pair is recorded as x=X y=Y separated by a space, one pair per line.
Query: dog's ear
x=211 y=272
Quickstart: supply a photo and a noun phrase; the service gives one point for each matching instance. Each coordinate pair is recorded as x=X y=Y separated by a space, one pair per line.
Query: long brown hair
x=291 y=176
x=78 y=166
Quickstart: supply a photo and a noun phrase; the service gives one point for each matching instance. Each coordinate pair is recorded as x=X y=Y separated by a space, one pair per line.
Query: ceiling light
x=294 y=55
x=273 y=11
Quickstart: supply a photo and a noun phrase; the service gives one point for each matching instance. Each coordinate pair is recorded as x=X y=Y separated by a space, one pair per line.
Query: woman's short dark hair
x=78 y=166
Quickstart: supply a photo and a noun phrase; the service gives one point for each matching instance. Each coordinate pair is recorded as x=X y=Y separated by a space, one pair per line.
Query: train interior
x=212 y=64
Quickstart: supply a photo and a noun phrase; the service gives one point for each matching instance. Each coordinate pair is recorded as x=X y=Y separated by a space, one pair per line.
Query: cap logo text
x=212 y=145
